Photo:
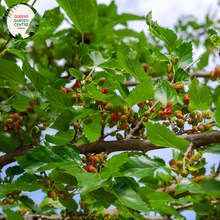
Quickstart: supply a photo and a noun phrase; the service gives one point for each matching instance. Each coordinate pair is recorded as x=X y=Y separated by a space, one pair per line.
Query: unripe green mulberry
x=144 y=136
x=2 y=44
x=197 y=157
x=180 y=164
x=124 y=110
x=119 y=136
x=104 y=116
x=207 y=127
x=175 y=60
x=80 y=97
x=102 y=122
x=184 y=173
x=74 y=99
x=206 y=115
x=193 y=114
x=88 y=121
x=88 y=80
x=101 y=81
x=123 y=118
x=180 y=123
x=169 y=68
x=146 y=113
x=191 y=120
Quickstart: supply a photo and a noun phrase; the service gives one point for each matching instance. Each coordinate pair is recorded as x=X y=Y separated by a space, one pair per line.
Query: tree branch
x=186 y=154
x=197 y=73
x=122 y=145
x=58 y=217
x=181 y=207
x=171 y=189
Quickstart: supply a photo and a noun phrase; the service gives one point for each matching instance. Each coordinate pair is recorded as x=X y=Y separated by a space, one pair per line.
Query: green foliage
x=76 y=81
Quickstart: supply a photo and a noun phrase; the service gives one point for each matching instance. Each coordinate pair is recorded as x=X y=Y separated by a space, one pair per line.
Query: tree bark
x=122 y=145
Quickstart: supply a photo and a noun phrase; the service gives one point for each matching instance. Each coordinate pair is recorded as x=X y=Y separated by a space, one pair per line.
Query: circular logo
x=21 y=21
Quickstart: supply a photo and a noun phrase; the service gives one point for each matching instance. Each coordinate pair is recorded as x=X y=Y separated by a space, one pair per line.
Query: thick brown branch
x=123 y=145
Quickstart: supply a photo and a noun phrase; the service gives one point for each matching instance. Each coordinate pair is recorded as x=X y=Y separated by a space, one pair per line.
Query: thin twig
x=181 y=207
x=129 y=136
x=106 y=135
x=185 y=155
x=193 y=62
x=172 y=125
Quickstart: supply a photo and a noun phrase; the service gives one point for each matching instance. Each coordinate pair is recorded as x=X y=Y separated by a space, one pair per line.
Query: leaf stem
x=33 y=3
x=7 y=101
x=91 y=72
x=28 y=91
x=83 y=38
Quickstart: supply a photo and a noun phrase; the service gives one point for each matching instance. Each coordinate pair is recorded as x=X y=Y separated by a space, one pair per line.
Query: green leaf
x=103 y=197
x=61 y=137
x=93 y=130
x=58 y=99
x=37 y=80
x=40 y=157
x=26 y=182
x=50 y=203
x=33 y=25
x=29 y=203
x=140 y=166
x=11 y=72
x=40 y=112
x=200 y=97
x=164 y=209
x=155 y=196
x=19 y=102
x=184 y=52
x=80 y=50
x=165 y=92
x=48 y=24
x=214 y=37
x=116 y=160
x=217 y=113
x=202 y=208
x=203 y=62
x=59 y=177
x=76 y=73
x=182 y=76
x=92 y=181
x=166 y=35
x=124 y=91
x=70 y=204
x=15 y=170
x=128 y=197
x=160 y=135
x=70 y=115
x=214 y=150
x=141 y=93
x=92 y=92
x=7 y=143
x=188 y=185
x=127 y=58
x=98 y=58
x=82 y=13
x=158 y=56
x=14 y=2
x=130 y=181
x=11 y=215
